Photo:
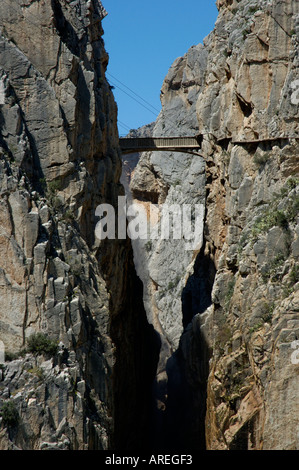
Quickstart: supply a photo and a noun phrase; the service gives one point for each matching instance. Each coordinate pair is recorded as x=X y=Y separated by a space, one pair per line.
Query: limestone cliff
x=212 y=331
x=59 y=159
x=228 y=313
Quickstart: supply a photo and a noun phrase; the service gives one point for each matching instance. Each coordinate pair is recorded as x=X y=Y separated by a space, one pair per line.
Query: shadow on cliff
x=65 y=29
x=137 y=354
x=30 y=164
x=143 y=420
x=196 y=295
x=183 y=422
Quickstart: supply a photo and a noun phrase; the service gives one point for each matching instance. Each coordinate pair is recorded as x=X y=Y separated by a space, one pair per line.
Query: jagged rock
x=240 y=85
x=60 y=159
x=220 y=351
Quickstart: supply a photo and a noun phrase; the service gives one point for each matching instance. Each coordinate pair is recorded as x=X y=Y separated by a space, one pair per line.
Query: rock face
x=227 y=313
x=59 y=159
x=210 y=328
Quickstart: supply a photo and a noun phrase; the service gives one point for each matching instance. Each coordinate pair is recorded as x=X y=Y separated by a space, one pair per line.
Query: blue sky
x=143 y=38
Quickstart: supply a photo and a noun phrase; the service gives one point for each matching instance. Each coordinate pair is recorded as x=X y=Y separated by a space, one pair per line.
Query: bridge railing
x=151 y=143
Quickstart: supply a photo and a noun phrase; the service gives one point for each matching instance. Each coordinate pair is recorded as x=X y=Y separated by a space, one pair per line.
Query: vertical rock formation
x=166 y=265
x=252 y=402
x=213 y=330
x=227 y=314
x=59 y=160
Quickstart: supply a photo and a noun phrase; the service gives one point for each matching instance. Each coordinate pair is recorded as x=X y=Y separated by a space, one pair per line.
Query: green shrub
x=256 y=327
x=294 y=275
x=293 y=209
x=148 y=246
x=68 y=215
x=54 y=186
x=261 y=159
x=266 y=317
x=253 y=9
x=37 y=371
x=12 y=356
x=281 y=219
x=292 y=182
x=273 y=268
x=9 y=413
x=223 y=337
x=174 y=283
x=38 y=343
x=271 y=218
x=268 y=310
x=229 y=292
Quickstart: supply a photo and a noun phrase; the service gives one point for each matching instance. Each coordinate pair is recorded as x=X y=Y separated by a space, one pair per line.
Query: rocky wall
x=228 y=313
x=60 y=159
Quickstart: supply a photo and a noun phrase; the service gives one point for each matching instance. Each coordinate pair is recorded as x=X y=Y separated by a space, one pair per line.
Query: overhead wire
x=124 y=126
x=132 y=97
x=173 y=124
x=140 y=97
x=132 y=91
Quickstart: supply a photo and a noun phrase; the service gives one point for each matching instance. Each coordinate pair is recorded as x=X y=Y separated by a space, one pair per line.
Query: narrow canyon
x=147 y=344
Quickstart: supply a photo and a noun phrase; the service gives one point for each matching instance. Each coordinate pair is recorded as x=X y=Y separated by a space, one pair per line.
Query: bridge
x=183 y=144
x=171 y=144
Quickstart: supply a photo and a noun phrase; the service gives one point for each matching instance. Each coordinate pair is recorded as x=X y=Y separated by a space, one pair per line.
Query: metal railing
x=142 y=144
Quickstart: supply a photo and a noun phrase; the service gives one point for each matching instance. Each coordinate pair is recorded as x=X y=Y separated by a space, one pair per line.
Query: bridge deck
x=181 y=144
x=142 y=144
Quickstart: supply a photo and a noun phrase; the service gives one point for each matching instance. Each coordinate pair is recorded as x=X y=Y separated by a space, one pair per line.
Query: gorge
x=158 y=347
